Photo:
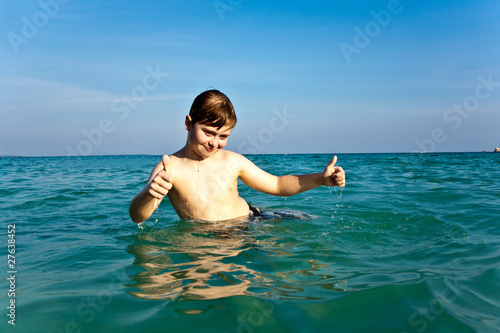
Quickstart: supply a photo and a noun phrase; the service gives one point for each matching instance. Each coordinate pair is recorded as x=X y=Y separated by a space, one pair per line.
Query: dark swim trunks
x=294 y=215
x=254 y=211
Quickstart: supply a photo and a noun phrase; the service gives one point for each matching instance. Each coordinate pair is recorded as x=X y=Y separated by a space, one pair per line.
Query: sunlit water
x=412 y=244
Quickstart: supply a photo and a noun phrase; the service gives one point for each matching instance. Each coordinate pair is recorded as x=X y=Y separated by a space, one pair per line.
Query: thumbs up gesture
x=334 y=175
x=163 y=181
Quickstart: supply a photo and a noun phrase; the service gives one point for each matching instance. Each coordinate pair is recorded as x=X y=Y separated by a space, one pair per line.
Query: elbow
x=136 y=217
x=282 y=194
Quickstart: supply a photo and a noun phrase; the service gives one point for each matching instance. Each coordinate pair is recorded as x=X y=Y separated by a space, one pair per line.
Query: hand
x=334 y=175
x=162 y=182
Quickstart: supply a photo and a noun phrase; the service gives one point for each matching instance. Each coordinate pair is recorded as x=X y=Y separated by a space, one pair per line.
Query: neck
x=188 y=153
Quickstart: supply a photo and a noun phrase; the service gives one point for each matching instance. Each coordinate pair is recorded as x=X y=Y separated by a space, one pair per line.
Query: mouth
x=209 y=149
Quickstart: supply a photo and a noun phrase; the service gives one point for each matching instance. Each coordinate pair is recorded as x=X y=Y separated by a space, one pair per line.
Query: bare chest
x=203 y=184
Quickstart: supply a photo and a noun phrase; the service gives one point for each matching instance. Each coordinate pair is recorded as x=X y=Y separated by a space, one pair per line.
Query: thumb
x=331 y=166
x=165 y=160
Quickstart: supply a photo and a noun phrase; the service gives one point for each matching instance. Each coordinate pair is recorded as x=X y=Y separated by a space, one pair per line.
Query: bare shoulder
x=233 y=160
x=230 y=155
x=175 y=158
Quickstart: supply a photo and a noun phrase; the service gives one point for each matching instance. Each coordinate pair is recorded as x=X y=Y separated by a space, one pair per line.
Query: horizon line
x=413 y=152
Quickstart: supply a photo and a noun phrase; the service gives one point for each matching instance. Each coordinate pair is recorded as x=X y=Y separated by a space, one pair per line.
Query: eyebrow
x=207 y=129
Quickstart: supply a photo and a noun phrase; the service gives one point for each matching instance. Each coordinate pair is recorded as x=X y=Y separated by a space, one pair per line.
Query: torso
x=207 y=190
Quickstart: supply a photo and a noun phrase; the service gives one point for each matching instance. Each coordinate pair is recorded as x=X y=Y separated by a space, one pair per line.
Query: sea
x=411 y=244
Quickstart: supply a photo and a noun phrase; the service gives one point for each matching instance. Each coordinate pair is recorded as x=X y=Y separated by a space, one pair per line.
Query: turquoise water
x=412 y=244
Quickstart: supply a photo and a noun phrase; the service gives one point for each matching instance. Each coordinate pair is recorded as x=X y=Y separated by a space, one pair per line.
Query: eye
x=224 y=137
x=207 y=133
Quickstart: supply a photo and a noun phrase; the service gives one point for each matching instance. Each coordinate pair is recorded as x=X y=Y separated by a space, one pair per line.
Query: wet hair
x=213 y=108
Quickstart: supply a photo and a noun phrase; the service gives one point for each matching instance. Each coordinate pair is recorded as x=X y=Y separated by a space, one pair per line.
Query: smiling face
x=205 y=140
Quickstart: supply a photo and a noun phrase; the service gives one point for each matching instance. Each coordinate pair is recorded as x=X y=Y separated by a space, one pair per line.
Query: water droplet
x=339 y=196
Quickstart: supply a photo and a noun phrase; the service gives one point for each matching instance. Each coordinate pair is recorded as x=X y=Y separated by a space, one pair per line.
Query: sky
x=118 y=77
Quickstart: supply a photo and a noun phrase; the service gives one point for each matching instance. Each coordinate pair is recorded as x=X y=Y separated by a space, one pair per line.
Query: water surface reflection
x=194 y=260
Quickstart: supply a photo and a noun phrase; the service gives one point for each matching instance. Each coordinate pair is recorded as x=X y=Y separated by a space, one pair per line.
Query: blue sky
x=103 y=77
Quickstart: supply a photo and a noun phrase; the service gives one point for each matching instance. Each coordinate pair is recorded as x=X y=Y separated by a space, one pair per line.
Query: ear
x=188 y=122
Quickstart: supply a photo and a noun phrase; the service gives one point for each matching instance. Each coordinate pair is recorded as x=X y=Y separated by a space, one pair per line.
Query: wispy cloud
x=30 y=94
x=145 y=40
x=33 y=94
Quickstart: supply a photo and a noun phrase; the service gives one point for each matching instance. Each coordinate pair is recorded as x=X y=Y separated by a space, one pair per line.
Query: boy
x=201 y=178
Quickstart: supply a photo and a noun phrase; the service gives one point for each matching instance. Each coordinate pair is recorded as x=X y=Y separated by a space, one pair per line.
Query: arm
x=149 y=198
x=288 y=185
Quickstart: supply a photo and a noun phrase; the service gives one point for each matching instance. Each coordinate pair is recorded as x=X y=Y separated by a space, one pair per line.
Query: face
x=205 y=140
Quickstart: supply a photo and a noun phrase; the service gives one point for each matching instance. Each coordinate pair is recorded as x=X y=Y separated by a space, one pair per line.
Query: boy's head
x=213 y=108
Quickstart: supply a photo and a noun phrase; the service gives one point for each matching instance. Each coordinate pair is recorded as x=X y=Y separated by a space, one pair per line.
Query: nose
x=214 y=142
